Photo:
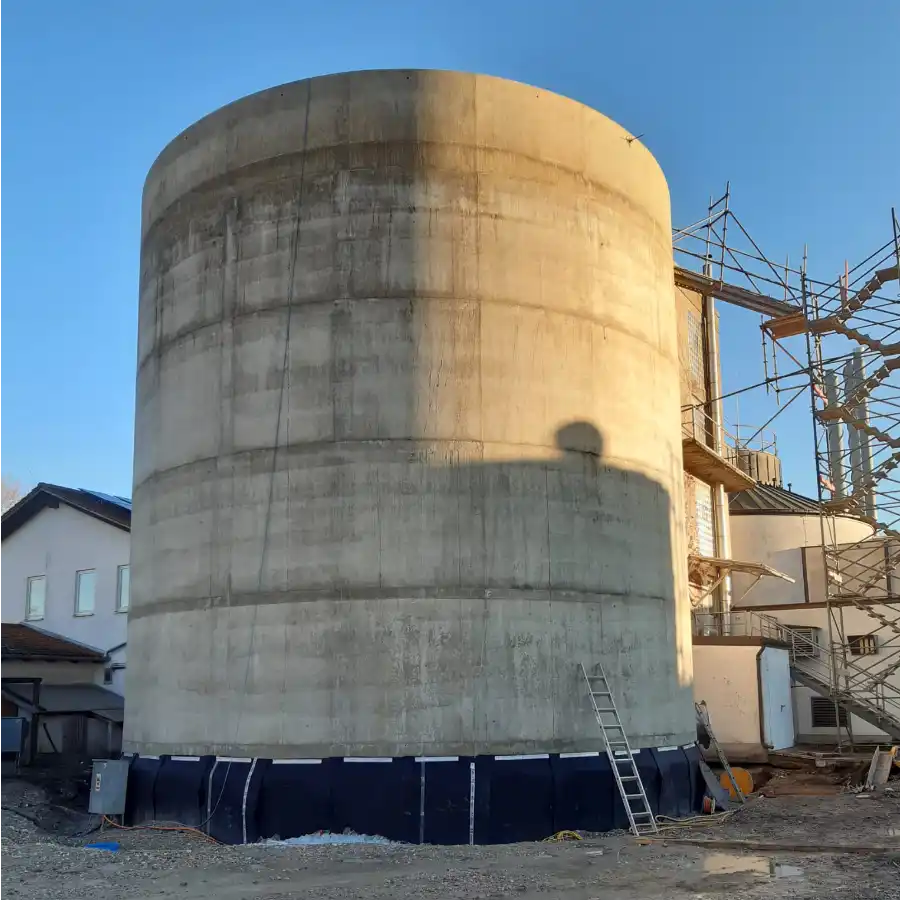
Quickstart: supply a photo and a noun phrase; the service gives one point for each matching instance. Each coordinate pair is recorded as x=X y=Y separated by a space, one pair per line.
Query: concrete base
x=416 y=800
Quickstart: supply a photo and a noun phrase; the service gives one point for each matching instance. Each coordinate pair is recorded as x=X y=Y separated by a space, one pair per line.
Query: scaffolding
x=848 y=366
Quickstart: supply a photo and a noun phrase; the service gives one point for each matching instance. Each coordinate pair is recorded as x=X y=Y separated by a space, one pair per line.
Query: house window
x=821 y=711
x=35 y=596
x=695 y=348
x=123 y=589
x=862 y=644
x=108 y=675
x=85 y=590
x=804 y=641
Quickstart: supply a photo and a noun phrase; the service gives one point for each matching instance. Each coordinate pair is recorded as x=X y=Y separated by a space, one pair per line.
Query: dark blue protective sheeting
x=296 y=799
x=228 y=817
x=698 y=786
x=179 y=792
x=649 y=772
x=378 y=798
x=521 y=798
x=674 y=783
x=447 y=801
x=516 y=799
x=139 y=801
x=584 y=793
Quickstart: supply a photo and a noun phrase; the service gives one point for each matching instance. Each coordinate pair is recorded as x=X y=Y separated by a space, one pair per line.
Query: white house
x=65 y=585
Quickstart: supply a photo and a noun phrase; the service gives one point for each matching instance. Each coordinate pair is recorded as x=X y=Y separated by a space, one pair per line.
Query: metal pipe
x=851 y=383
x=861 y=413
x=720 y=498
x=834 y=437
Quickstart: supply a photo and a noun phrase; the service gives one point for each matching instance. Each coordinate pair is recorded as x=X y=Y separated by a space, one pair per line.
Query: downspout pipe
x=720 y=498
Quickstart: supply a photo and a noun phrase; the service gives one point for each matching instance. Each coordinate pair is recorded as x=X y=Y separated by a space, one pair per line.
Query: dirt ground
x=43 y=856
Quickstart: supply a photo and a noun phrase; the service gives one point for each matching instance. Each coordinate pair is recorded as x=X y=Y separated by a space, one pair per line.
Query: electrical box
x=109 y=780
x=14 y=730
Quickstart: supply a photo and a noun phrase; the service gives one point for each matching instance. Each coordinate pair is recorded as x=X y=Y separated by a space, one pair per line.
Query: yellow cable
x=564 y=835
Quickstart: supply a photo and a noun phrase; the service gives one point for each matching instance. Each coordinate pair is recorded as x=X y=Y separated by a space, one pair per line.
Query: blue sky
x=794 y=102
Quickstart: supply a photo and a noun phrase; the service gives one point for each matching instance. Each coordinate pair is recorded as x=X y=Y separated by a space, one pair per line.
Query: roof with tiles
x=24 y=643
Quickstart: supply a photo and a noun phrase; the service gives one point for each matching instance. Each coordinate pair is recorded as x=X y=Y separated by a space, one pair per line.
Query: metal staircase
x=853 y=342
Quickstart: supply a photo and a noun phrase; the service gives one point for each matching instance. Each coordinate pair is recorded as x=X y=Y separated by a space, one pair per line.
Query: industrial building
x=833 y=599
x=423 y=427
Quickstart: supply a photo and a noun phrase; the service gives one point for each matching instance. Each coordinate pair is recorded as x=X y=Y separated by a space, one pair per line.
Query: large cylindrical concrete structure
x=407 y=444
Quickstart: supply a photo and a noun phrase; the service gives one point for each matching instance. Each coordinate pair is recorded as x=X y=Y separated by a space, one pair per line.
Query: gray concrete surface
x=408 y=438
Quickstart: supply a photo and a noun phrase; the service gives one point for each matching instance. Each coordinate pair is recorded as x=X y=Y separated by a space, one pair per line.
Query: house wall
x=747 y=689
x=693 y=364
x=53 y=673
x=791 y=544
x=778 y=541
x=692 y=385
x=725 y=676
x=57 y=543
x=80 y=735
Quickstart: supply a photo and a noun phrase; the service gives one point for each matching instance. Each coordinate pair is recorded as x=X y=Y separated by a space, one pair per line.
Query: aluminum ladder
x=703 y=718
x=628 y=780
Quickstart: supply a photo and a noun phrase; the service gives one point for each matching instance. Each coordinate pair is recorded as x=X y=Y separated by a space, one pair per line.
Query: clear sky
x=794 y=102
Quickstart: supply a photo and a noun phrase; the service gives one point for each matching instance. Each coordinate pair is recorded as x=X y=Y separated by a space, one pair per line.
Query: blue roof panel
x=124 y=502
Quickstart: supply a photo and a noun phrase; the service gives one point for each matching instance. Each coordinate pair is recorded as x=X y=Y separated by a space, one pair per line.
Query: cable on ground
x=667 y=823
x=187 y=829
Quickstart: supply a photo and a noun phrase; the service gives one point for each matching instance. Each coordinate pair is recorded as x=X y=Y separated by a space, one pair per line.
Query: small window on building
x=804 y=640
x=35 y=597
x=85 y=590
x=123 y=589
x=862 y=644
x=695 y=348
x=108 y=675
x=821 y=711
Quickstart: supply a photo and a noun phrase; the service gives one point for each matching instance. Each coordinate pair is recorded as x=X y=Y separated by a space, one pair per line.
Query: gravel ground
x=48 y=861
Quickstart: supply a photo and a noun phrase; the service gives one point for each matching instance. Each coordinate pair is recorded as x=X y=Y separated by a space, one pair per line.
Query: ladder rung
x=629 y=778
x=606 y=709
x=639 y=812
x=634 y=796
x=601 y=693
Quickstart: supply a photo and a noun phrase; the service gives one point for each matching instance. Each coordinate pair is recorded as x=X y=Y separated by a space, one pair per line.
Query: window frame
x=703 y=517
x=824 y=703
x=696 y=361
x=119 y=570
x=28 y=582
x=862 y=644
x=81 y=613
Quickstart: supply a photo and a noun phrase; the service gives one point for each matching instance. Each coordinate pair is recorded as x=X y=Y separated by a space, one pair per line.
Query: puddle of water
x=735 y=863
x=782 y=871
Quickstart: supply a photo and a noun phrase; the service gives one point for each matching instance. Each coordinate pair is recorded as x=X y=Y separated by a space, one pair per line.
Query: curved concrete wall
x=778 y=541
x=407 y=441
